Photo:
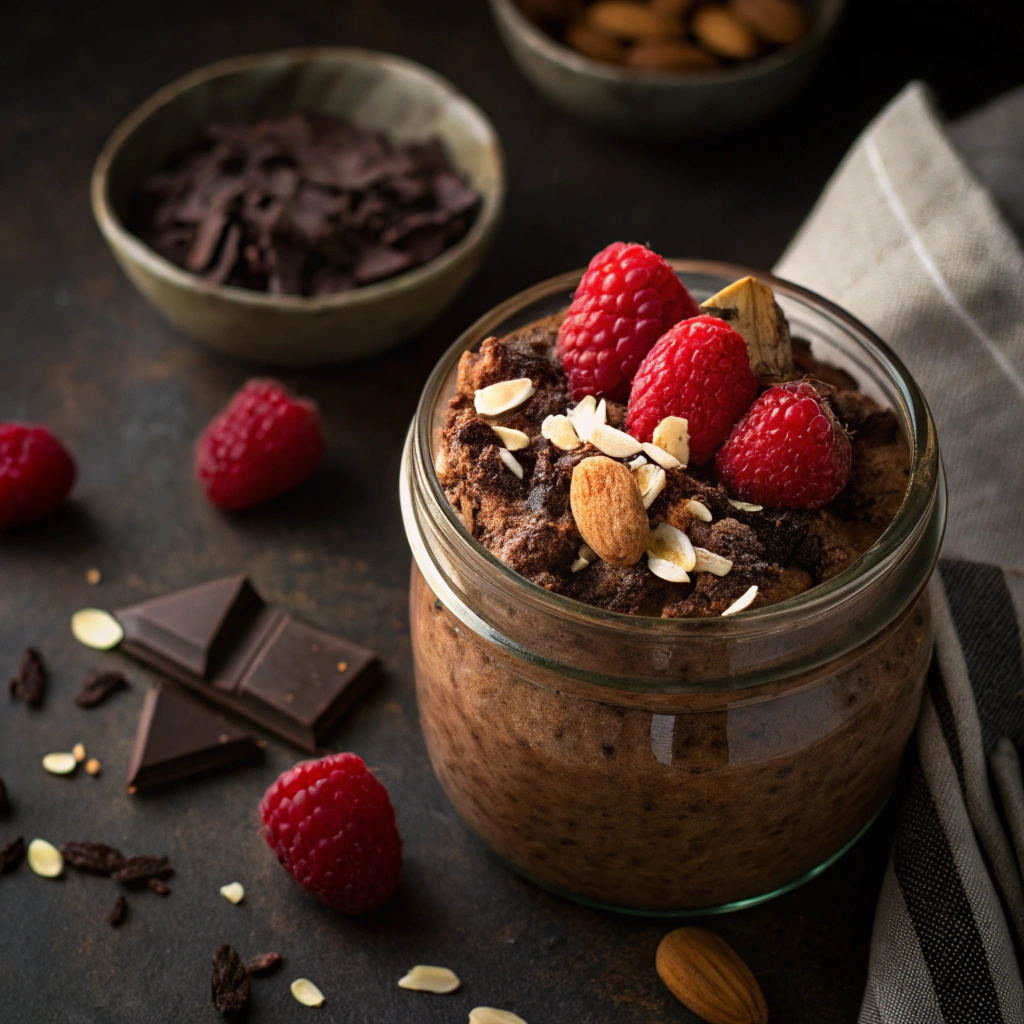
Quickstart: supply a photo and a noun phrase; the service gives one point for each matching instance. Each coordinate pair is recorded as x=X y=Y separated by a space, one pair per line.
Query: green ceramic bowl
x=374 y=90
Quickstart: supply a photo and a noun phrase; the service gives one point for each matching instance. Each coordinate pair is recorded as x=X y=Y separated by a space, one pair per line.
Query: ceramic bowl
x=374 y=90
x=656 y=105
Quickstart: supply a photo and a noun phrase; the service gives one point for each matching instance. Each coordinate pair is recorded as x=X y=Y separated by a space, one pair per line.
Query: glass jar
x=671 y=766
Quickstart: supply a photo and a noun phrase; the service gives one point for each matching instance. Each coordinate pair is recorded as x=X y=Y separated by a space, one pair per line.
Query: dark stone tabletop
x=80 y=349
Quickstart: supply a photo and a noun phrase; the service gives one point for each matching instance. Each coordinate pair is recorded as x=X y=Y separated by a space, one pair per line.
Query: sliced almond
x=307 y=993
x=45 y=859
x=513 y=440
x=745 y=506
x=660 y=456
x=438 y=980
x=233 y=891
x=60 y=764
x=587 y=416
x=673 y=436
x=749 y=307
x=608 y=510
x=635 y=464
x=698 y=510
x=560 y=432
x=503 y=396
x=651 y=480
x=673 y=545
x=579 y=565
x=742 y=603
x=489 y=1015
x=616 y=444
x=666 y=570
x=96 y=629
x=79 y=751
x=511 y=462
x=708 y=561
x=587 y=552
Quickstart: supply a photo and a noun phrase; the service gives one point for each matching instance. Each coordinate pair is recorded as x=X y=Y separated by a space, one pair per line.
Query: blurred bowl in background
x=664 y=106
x=376 y=91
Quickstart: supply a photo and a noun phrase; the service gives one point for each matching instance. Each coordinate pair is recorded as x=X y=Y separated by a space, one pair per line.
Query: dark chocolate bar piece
x=179 y=739
x=223 y=641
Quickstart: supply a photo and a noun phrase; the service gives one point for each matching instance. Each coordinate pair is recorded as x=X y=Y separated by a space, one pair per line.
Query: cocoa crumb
x=117 y=912
x=97 y=858
x=263 y=963
x=98 y=686
x=230 y=982
x=5 y=801
x=137 y=871
x=158 y=887
x=12 y=854
x=30 y=680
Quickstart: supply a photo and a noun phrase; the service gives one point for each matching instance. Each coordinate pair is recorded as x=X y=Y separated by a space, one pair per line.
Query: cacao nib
x=158 y=887
x=230 y=981
x=30 y=680
x=263 y=963
x=118 y=911
x=12 y=854
x=95 y=857
x=137 y=871
x=98 y=686
x=5 y=802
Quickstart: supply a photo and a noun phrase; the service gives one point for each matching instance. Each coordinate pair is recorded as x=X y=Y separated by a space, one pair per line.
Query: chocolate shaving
x=5 y=801
x=30 y=679
x=118 y=911
x=98 y=686
x=158 y=887
x=263 y=963
x=137 y=871
x=98 y=858
x=11 y=855
x=303 y=205
x=230 y=982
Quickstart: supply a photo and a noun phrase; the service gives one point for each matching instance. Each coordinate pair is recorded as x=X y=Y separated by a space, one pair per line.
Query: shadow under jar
x=668 y=766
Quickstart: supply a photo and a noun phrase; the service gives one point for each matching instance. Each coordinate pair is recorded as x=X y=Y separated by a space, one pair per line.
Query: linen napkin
x=913 y=235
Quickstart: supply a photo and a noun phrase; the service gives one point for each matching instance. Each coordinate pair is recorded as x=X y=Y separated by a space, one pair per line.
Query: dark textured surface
x=79 y=349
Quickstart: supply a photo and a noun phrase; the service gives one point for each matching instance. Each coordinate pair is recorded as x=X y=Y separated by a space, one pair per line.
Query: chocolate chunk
x=5 y=801
x=263 y=963
x=30 y=680
x=179 y=739
x=230 y=982
x=223 y=641
x=380 y=262
x=118 y=912
x=137 y=871
x=98 y=858
x=12 y=854
x=158 y=887
x=98 y=686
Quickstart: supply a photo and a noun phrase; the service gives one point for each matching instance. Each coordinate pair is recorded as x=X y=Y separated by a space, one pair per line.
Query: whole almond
x=778 y=21
x=720 y=31
x=591 y=42
x=670 y=56
x=609 y=510
x=704 y=973
x=626 y=19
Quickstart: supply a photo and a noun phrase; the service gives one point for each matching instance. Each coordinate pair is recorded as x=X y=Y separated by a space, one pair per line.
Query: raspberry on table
x=698 y=370
x=263 y=443
x=789 y=451
x=332 y=827
x=627 y=299
x=36 y=474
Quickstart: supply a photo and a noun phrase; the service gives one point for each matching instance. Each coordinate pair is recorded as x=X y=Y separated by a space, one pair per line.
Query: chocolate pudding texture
x=670 y=802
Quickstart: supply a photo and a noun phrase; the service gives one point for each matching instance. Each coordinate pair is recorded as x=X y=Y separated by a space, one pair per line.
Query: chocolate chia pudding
x=691 y=760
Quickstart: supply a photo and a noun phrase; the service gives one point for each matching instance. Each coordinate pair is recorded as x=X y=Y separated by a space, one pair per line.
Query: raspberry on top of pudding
x=758 y=471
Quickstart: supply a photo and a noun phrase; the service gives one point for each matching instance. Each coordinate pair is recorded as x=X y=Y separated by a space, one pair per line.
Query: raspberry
x=627 y=299
x=699 y=370
x=332 y=826
x=789 y=450
x=36 y=474
x=263 y=443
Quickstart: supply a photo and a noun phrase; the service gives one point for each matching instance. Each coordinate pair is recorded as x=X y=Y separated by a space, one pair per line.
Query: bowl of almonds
x=667 y=69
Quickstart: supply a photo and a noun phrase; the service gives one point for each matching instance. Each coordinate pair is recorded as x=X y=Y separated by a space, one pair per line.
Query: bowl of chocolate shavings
x=301 y=207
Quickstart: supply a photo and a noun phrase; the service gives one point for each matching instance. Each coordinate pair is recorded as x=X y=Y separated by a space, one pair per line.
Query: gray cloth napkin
x=914 y=235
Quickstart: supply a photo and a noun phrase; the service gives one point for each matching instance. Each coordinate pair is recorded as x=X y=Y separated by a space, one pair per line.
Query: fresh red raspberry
x=628 y=298
x=699 y=370
x=789 y=450
x=36 y=474
x=332 y=826
x=263 y=443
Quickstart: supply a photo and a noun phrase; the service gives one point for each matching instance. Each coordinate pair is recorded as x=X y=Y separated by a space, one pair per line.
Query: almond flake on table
x=424 y=978
x=742 y=603
x=560 y=432
x=503 y=396
x=673 y=435
x=698 y=510
x=45 y=859
x=660 y=456
x=745 y=506
x=708 y=561
x=307 y=993
x=651 y=480
x=489 y=1015
x=60 y=764
x=513 y=440
x=616 y=444
x=233 y=891
x=511 y=462
x=96 y=628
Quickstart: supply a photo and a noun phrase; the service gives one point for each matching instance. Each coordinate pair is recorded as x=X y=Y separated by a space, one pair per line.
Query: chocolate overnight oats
x=672 y=758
